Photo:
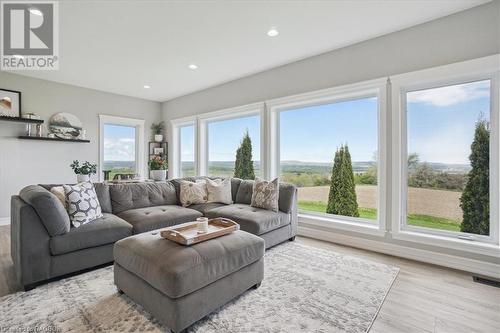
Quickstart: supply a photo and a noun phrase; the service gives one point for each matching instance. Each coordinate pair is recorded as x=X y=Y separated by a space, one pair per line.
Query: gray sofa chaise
x=44 y=246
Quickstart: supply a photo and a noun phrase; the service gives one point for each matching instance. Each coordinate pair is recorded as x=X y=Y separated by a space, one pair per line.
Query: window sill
x=337 y=223
x=464 y=245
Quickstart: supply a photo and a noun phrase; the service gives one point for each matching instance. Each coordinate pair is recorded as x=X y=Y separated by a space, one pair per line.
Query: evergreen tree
x=342 y=198
x=475 y=197
x=243 y=167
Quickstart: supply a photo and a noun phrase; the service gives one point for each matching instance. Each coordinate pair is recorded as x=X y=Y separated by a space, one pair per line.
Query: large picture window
x=229 y=138
x=120 y=151
x=121 y=142
x=329 y=151
x=448 y=158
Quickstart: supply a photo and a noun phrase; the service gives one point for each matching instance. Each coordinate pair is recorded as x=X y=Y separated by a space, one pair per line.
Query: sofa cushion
x=51 y=211
x=151 y=218
x=105 y=230
x=102 y=191
x=205 y=207
x=131 y=196
x=244 y=194
x=177 y=270
x=254 y=220
x=235 y=185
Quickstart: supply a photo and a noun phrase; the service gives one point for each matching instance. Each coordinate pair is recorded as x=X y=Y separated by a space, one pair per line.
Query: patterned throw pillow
x=219 y=191
x=192 y=193
x=265 y=194
x=83 y=205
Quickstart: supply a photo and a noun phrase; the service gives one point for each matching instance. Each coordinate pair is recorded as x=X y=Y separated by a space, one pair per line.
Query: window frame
x=454 y=74
x=256 y=109
x=201 y=135
x=139 y=141
x=176 y=161
x=374 y=88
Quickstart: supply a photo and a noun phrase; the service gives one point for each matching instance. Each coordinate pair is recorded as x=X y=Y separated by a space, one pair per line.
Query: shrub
x=342 y=197
x=475 y=197
x=243 y=167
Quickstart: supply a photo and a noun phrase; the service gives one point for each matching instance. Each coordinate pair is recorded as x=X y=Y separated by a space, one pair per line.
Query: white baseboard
x=464 y=264
x=4 y=220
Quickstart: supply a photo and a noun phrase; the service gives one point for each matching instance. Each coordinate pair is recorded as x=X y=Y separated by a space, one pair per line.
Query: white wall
x=24 y=162
x=466 y=35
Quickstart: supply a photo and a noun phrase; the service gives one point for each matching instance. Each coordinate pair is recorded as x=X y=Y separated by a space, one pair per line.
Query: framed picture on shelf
x=10 y=103
x=158 y=151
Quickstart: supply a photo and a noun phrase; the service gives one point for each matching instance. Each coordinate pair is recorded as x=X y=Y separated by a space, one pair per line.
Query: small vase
x=82 y=178
x=159 y=175
x=159 y=137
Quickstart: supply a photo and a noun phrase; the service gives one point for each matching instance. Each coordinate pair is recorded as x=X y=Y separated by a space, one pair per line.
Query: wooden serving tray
x=187 y=233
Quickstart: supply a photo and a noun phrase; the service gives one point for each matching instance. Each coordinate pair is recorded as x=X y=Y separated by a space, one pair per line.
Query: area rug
x=304 y=289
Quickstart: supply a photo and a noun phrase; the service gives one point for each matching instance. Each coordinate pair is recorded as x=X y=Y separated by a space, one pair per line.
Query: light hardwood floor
x=424 y=298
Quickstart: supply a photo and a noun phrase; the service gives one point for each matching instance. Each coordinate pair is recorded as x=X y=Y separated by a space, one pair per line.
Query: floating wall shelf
x=44 y=138
x=21 y=120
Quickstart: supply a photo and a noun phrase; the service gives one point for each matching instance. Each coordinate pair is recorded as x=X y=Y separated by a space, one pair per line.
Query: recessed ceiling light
x=146 y=86
x=192 y=66
x=35 y=11
x=18 y=56
x=273 y=32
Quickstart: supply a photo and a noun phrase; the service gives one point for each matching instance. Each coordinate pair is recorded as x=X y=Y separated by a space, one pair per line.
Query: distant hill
x=294 y=166
x=110 y=165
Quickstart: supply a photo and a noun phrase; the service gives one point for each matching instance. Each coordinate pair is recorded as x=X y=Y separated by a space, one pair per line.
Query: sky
x=119 y=143
x=441 y=125
x=441 y=121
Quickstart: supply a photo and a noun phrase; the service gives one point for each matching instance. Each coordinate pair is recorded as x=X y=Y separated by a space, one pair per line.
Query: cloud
x=119 y=149
x=450 y=95
x=450 y=144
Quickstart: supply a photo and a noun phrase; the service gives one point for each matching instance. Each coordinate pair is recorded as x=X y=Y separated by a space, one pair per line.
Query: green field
x=371 y=213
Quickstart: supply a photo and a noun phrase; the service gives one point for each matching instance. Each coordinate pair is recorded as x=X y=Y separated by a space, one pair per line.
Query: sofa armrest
x=288 y=204
x=295 y=213
x=29 y=243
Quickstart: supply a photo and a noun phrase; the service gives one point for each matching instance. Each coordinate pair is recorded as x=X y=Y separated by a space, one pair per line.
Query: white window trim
x=175 y=162
x=139 y=140
x=255 y=109
x=374 y=88
x=474 y=70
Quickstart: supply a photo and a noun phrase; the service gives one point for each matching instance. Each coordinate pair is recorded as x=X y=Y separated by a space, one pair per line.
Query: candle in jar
x=202 y=224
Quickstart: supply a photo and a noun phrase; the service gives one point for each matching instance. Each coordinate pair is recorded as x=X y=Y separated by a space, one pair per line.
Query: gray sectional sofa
x=44 y=245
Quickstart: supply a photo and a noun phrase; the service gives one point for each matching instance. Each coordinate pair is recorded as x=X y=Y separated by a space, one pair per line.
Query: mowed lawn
x=371 y=213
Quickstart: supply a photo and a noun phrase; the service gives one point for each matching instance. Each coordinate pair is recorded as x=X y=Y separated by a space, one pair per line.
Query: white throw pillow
x=219 y=191
x=58 y=191
x=192 y=193
x=82 y=203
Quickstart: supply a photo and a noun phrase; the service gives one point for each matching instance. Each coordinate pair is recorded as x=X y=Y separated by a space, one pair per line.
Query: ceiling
x=120 y=46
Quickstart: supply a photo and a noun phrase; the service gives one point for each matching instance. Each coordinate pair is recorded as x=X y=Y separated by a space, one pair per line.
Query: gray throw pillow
x=265 y=194
x=83 y=205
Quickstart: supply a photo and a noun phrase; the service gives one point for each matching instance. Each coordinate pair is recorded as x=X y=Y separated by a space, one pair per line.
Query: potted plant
x=158 y=167
x=84 y=171
x=158 y=129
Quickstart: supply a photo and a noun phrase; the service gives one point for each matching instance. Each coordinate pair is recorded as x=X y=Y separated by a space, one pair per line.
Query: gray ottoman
x=181 y=284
